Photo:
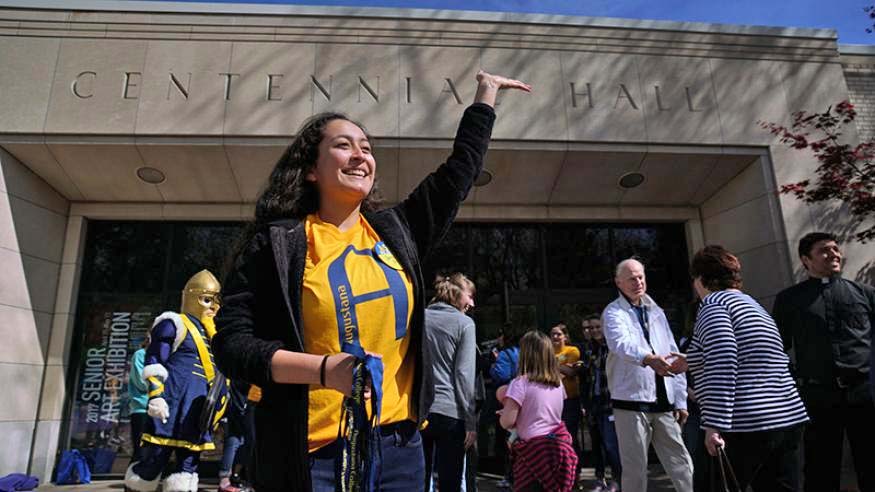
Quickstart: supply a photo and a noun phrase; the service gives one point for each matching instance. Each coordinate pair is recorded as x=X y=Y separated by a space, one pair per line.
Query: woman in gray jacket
x=451 y=346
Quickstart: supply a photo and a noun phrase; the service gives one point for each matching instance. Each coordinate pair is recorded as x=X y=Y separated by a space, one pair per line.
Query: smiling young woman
x=325 y=274
x=344 y=172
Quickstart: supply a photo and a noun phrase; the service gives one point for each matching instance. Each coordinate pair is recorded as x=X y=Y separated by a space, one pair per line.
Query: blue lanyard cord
x=362 y=455
x=641 y=311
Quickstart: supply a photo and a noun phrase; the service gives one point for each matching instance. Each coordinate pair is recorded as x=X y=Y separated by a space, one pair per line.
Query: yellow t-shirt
x=569 y=355
x=355 y=290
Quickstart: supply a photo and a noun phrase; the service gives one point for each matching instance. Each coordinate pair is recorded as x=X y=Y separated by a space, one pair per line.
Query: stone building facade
x=857 y=63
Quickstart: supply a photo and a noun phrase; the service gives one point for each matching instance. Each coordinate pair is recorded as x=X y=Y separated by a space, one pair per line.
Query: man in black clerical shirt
x=827 y=322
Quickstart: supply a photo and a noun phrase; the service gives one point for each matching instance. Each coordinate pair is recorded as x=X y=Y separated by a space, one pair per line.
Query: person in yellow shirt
x=569 y=366
x=328 y=289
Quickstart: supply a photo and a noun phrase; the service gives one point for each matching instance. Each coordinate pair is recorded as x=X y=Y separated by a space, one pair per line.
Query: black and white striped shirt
x=741 y=376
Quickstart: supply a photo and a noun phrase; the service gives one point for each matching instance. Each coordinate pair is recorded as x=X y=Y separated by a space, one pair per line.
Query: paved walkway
x=659 y=482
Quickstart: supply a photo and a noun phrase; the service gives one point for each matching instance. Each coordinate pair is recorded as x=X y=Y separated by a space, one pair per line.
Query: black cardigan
x=262 y=302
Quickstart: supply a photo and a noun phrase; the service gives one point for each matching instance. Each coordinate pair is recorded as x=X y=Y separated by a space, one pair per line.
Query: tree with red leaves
x=845 y=173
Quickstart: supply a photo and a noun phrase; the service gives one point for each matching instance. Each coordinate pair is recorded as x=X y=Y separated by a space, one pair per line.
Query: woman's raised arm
x=488 y=86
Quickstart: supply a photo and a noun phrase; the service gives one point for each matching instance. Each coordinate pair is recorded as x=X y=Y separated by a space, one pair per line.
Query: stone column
x=33 y=222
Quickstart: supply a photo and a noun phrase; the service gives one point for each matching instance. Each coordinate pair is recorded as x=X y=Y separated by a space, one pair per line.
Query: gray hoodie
x=451 y=340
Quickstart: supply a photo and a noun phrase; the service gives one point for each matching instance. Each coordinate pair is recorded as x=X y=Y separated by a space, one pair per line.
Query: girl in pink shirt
x=543 y=457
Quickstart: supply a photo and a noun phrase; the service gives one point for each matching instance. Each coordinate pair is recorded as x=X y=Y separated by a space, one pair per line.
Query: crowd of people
x=774 y=395
x=363 y=385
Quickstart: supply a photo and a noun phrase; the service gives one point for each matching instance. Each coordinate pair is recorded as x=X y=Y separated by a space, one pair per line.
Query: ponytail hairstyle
x=449 y=289
x=537 y=360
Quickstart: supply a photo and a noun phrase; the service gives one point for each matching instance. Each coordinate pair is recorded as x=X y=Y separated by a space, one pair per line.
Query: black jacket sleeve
x=432 y=206
x=781 y=314
x=241 y=353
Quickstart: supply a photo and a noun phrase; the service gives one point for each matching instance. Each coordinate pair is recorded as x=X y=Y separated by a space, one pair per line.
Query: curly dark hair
x=717 y=268
x=806 y=244
x=288 y=194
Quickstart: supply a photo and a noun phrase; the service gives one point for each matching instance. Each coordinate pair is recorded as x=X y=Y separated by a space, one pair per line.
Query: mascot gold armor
x=182 y=380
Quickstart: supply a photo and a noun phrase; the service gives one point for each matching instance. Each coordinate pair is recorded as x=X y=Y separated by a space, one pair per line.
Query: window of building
x=528 y=276
x=131 y=272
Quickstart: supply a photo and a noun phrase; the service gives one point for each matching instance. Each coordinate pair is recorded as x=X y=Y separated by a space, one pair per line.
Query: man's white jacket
x=628 y=378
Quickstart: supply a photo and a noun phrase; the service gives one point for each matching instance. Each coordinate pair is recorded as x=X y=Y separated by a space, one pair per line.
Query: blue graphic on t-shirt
x=345 y=302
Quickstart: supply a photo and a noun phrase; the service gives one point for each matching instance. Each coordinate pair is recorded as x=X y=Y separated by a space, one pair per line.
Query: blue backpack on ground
x=99 y=459
x=72 y=468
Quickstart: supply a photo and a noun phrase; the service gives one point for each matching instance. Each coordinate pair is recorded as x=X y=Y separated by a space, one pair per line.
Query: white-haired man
x=649 y=401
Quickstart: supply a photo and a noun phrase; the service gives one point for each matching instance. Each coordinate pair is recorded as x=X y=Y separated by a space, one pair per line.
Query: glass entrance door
x=528 y=276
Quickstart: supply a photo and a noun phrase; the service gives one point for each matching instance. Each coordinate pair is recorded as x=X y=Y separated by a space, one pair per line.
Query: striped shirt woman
x=741 y=371
x=743 y=385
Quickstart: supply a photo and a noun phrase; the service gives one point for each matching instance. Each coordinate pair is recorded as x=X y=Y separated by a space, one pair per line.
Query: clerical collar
x=825 y=280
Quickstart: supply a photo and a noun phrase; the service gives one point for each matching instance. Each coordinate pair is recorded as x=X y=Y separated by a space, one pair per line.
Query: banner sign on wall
x=105 y=375
x=100 y=423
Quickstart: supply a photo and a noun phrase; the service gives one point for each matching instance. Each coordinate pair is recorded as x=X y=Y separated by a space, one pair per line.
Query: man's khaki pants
x=635 y=432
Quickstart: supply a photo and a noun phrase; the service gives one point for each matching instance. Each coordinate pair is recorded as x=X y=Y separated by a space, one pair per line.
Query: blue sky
x=846 y=16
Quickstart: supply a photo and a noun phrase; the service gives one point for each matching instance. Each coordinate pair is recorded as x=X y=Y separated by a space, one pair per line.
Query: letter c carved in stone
x=74 y=87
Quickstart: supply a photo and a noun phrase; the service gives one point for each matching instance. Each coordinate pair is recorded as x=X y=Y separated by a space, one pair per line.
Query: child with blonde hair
x=543 y=456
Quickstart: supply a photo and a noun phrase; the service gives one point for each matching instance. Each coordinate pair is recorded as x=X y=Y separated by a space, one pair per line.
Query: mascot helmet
x=200 y=296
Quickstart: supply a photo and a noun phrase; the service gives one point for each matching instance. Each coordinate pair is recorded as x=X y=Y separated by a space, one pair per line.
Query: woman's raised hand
x=501 y=82
x=488 y=86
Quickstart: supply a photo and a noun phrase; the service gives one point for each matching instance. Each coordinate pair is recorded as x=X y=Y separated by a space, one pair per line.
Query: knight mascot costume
x=187 y=394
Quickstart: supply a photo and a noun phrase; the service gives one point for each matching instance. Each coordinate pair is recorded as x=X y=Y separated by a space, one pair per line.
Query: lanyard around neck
x=641 y=314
